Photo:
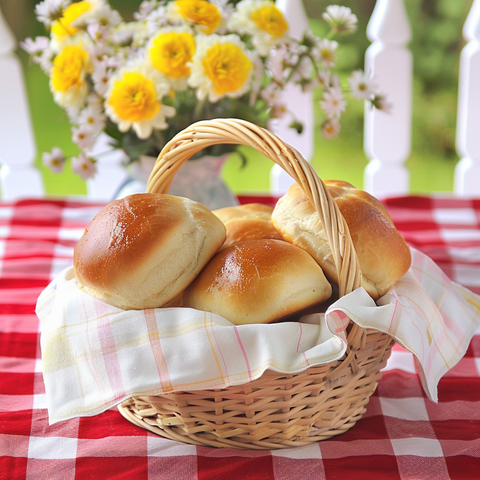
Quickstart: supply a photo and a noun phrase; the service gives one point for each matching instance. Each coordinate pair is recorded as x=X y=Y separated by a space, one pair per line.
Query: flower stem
x=199 y=107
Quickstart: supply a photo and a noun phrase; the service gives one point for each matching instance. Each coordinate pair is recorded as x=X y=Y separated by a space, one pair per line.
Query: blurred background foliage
x=436 y=44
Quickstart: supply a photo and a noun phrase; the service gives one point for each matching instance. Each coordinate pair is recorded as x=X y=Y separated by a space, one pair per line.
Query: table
x=403 y=435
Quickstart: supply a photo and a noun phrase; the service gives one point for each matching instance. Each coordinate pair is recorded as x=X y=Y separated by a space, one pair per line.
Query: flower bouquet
x=180 y=61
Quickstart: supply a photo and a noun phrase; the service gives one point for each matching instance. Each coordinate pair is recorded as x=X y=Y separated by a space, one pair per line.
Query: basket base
x=272 y=412
x=211 y=440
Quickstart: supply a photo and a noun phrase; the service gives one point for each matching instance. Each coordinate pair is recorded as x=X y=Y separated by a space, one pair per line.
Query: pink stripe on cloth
x=109 y=349
x=156 y=346
x=209 y=325
x=395 y=320
x=244 y=353
x=298 y=344
x=299 y=336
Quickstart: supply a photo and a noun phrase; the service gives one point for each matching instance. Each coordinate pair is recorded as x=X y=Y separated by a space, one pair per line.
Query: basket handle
x=240 y=132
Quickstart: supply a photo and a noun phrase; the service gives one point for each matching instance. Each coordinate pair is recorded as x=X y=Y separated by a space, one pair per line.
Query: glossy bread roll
x=142 y=251
x=383 y=254
x=258 y=281
x=247 y=222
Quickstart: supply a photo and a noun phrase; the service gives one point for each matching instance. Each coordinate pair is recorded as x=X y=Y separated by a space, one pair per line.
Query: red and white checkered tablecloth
x=402 y=436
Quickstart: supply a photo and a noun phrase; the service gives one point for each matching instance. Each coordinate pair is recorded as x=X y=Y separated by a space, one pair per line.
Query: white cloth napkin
x=95 y=355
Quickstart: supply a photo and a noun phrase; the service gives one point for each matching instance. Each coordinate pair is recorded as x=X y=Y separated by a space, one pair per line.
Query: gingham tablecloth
x=402 y=436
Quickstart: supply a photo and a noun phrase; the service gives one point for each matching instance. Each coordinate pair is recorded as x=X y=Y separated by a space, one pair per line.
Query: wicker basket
x=276 y=410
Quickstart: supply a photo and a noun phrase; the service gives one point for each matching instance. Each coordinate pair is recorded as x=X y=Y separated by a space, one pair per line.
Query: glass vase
x=200 y=180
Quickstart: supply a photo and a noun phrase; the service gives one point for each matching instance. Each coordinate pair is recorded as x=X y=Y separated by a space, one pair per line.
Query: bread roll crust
x=258 y=281
x=247 y=222
x=383 y=254
x=142 y=251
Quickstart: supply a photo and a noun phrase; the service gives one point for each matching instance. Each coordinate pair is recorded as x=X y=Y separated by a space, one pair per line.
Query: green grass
x=340 y=158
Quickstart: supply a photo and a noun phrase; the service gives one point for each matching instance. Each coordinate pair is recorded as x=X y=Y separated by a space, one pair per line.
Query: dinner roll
x=142 y=251
x=258 y=281
x=383 y=254
x=247 y=222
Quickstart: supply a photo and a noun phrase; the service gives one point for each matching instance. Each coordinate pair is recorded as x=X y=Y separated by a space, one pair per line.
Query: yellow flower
x=69 y=68
x=263 y=21
x=133 y=100
x=63 y=27
x=270 y=19
x=201 y=13
x=220 y=67
x=171 y=52
x=227 y=67
x=67 y=77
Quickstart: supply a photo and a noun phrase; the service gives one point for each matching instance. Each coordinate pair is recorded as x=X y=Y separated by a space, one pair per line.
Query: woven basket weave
x=276 y=410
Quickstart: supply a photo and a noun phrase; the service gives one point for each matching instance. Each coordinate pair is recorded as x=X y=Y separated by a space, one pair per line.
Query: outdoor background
x=436 y=45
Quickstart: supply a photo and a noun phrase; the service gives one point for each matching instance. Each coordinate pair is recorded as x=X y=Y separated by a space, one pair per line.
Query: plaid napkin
x=95 y=356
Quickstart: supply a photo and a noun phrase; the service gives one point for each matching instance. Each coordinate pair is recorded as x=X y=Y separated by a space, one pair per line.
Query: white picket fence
x=387 y=137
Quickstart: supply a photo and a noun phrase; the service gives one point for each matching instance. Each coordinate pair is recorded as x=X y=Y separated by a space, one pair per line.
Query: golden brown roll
x=383 y=254
x=142 y=251
x=258 y=281
x=247 y=222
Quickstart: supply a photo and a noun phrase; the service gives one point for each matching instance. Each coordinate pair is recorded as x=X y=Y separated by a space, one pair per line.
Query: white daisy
x=83 y=136
x=331 y=127
x=55 y=160
x=226 y=9
x=35 y=47
x=84 y=166
x=101 y=14
x=257 y=75
x=93 y=118
x=303 y=70
x=40 y=51
x=141 y=35
x=100 y=77
x=362 y=85
x=380 y=102
x=279 y=110
x=324 y=52
x=134 y=99
x=157 y=19
x=145 y=9
x=324 y=78
x=333 y=102
x=272 y=94
x=275 y=63
x=263 y=21
x=221 y=67
x=50 y=10
x=46 y=60
x=95 y=102
x=341 y=19
x=98 y=32
x=95 y=11
x=122 y=35
x=99 y=52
